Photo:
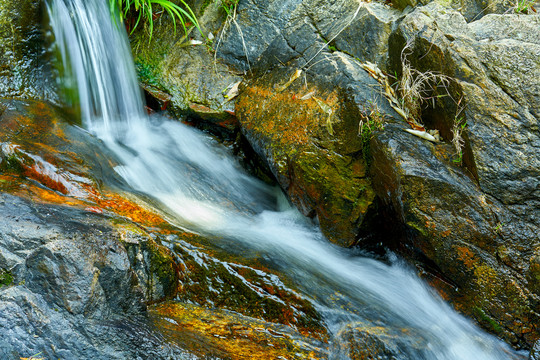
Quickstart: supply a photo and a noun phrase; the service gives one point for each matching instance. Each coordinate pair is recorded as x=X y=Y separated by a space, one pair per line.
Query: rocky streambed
x=314 y=104
x=89 y=268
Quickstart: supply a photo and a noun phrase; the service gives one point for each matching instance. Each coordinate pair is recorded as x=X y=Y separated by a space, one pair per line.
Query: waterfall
x=93 y=52
x=203 y=188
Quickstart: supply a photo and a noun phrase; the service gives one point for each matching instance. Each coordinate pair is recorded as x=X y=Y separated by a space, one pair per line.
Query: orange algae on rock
x=230 y=335
x=313 y=149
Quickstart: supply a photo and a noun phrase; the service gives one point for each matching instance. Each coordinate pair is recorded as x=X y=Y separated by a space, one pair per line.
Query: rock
x=213 y=283
x=73 y=289
x=154 y=265
x=226 y=334
x=496 y=120
x=482 y=216
x=312 y=146
x=535 y=352
x=196 y=82
x=361 y=30
x=417 y=178
x=359 y=341
x=277 y=32
x=316 y=158
x=470 y=9
x=23 y=71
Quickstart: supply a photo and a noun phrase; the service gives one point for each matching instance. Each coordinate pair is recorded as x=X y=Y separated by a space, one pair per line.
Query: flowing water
x=202 y=187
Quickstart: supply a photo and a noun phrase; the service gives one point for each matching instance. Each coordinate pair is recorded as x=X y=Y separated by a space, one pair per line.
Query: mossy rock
x=24 y=72
x=309 y=136
x=197 y=83
x=455 y=231
x=154 y=265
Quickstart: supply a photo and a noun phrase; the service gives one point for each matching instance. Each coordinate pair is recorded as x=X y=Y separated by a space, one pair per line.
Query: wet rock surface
x=24 y=71
x=535 y=352
x=235 y=336
x=74 y=294
x=81 y=261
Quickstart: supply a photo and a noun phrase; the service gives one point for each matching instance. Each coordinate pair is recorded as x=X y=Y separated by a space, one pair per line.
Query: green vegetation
x=147 y=73
x=482 y=316
x=11 y=164
x=372 y=120
x=229 y=6
x=457 y=140
x=6 y=278
x=524 y=7
x=147 y=10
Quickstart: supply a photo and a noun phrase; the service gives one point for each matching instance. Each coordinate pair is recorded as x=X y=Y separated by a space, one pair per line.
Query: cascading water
x=203 y=188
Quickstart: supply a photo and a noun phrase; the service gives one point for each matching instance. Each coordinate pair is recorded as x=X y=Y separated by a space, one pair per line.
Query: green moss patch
x=6 y=278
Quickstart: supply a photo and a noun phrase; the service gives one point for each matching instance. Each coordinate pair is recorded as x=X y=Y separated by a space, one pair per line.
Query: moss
x=6 y=278
x=322 y=169
x=207 y=281
x=229 y=335
x=11 y=164
x=487 y=281
x=204 y=5
x=484 y=318
x=147 y=73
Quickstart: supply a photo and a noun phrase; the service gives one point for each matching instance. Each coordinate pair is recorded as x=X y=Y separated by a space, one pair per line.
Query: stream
x=200 y=186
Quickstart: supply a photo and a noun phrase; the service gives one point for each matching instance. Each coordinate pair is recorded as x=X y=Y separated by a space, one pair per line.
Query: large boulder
x=312 y=145
x=304 y=104
x=477 y=226
x=74 y=293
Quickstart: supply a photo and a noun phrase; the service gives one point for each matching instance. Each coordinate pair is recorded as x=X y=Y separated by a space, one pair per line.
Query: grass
x=148 y=10
x=229 y=6
x=457 y=140
x=372 y=119
x=523 y=7
x=416 y=88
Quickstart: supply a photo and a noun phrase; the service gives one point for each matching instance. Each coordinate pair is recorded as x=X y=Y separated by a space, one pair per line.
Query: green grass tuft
x=146 y=10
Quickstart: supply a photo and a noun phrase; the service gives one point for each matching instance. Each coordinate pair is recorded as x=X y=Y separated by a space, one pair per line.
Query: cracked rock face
x=485 y=219
x=73 y=293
